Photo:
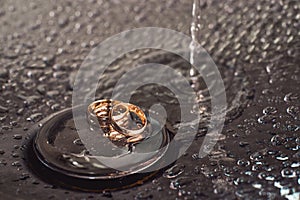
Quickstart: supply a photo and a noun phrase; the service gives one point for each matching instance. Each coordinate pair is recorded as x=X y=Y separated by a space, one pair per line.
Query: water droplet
x=240 y=180
x=294 y=111
x=282 y=157
x=17 y=136
x=16 y=164
x=107 y=194
x=245 y=193
x=4 y=73
x=266 y=119
x=15 y=155
x=243 y=163
x=78 y=142
x=35 y=182
x=288 y=173
x=24 y=176
x=277 y=140
x=3 y=109
x=35 y=117
x=257 y=185
x=3 y=163
x=13 y=123
x=180 y=183
x=2 y=152
x=290 y=97
x=144 y=195
x=41 y=88
x=269 y=110
x=257 y=156
x=52 y=93
x=174 y=171
x=243 y=143
x=159 y=188
x=295 y=164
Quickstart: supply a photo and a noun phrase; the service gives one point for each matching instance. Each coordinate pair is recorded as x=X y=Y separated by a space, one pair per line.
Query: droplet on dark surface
x=144 y=195
x=277 y=140
x=35 y=117
x=3 y=109
x=269 y=110
x=174 y=171
x=180 y=183
x=17 y=136
x=291 y=97
x=282 y=157
x=16 y=164
x=4 y=73
x=288 y=173
x=15 y=155
x=267 y=119
x=243 y=144
x=107 y=194
x=243 y=163
x=78 y=142
x=293 y=111
x=24 y=176
x=41 y=88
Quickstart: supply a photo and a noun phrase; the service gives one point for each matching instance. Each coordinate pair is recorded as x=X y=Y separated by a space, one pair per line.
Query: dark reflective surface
x=257 y=158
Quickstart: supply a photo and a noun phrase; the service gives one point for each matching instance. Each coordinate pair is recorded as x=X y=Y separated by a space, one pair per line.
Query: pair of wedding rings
x=118 y=120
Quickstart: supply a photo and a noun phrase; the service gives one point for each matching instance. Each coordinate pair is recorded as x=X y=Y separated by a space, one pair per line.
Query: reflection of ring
x=117 y=119
x=128 y=118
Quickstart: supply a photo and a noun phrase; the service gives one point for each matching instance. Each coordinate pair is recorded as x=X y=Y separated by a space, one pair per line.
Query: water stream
x=195 y=30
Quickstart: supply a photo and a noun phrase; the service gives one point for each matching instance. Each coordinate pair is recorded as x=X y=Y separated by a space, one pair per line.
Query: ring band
x=128 y=118
x=98 y=114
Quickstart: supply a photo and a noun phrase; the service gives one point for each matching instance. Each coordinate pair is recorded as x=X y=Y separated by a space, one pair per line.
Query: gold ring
x=129 y=119
x=118 y=120
x=98 y=114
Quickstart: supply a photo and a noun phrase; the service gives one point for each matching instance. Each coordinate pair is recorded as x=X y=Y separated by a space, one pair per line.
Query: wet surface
x=255 y=45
